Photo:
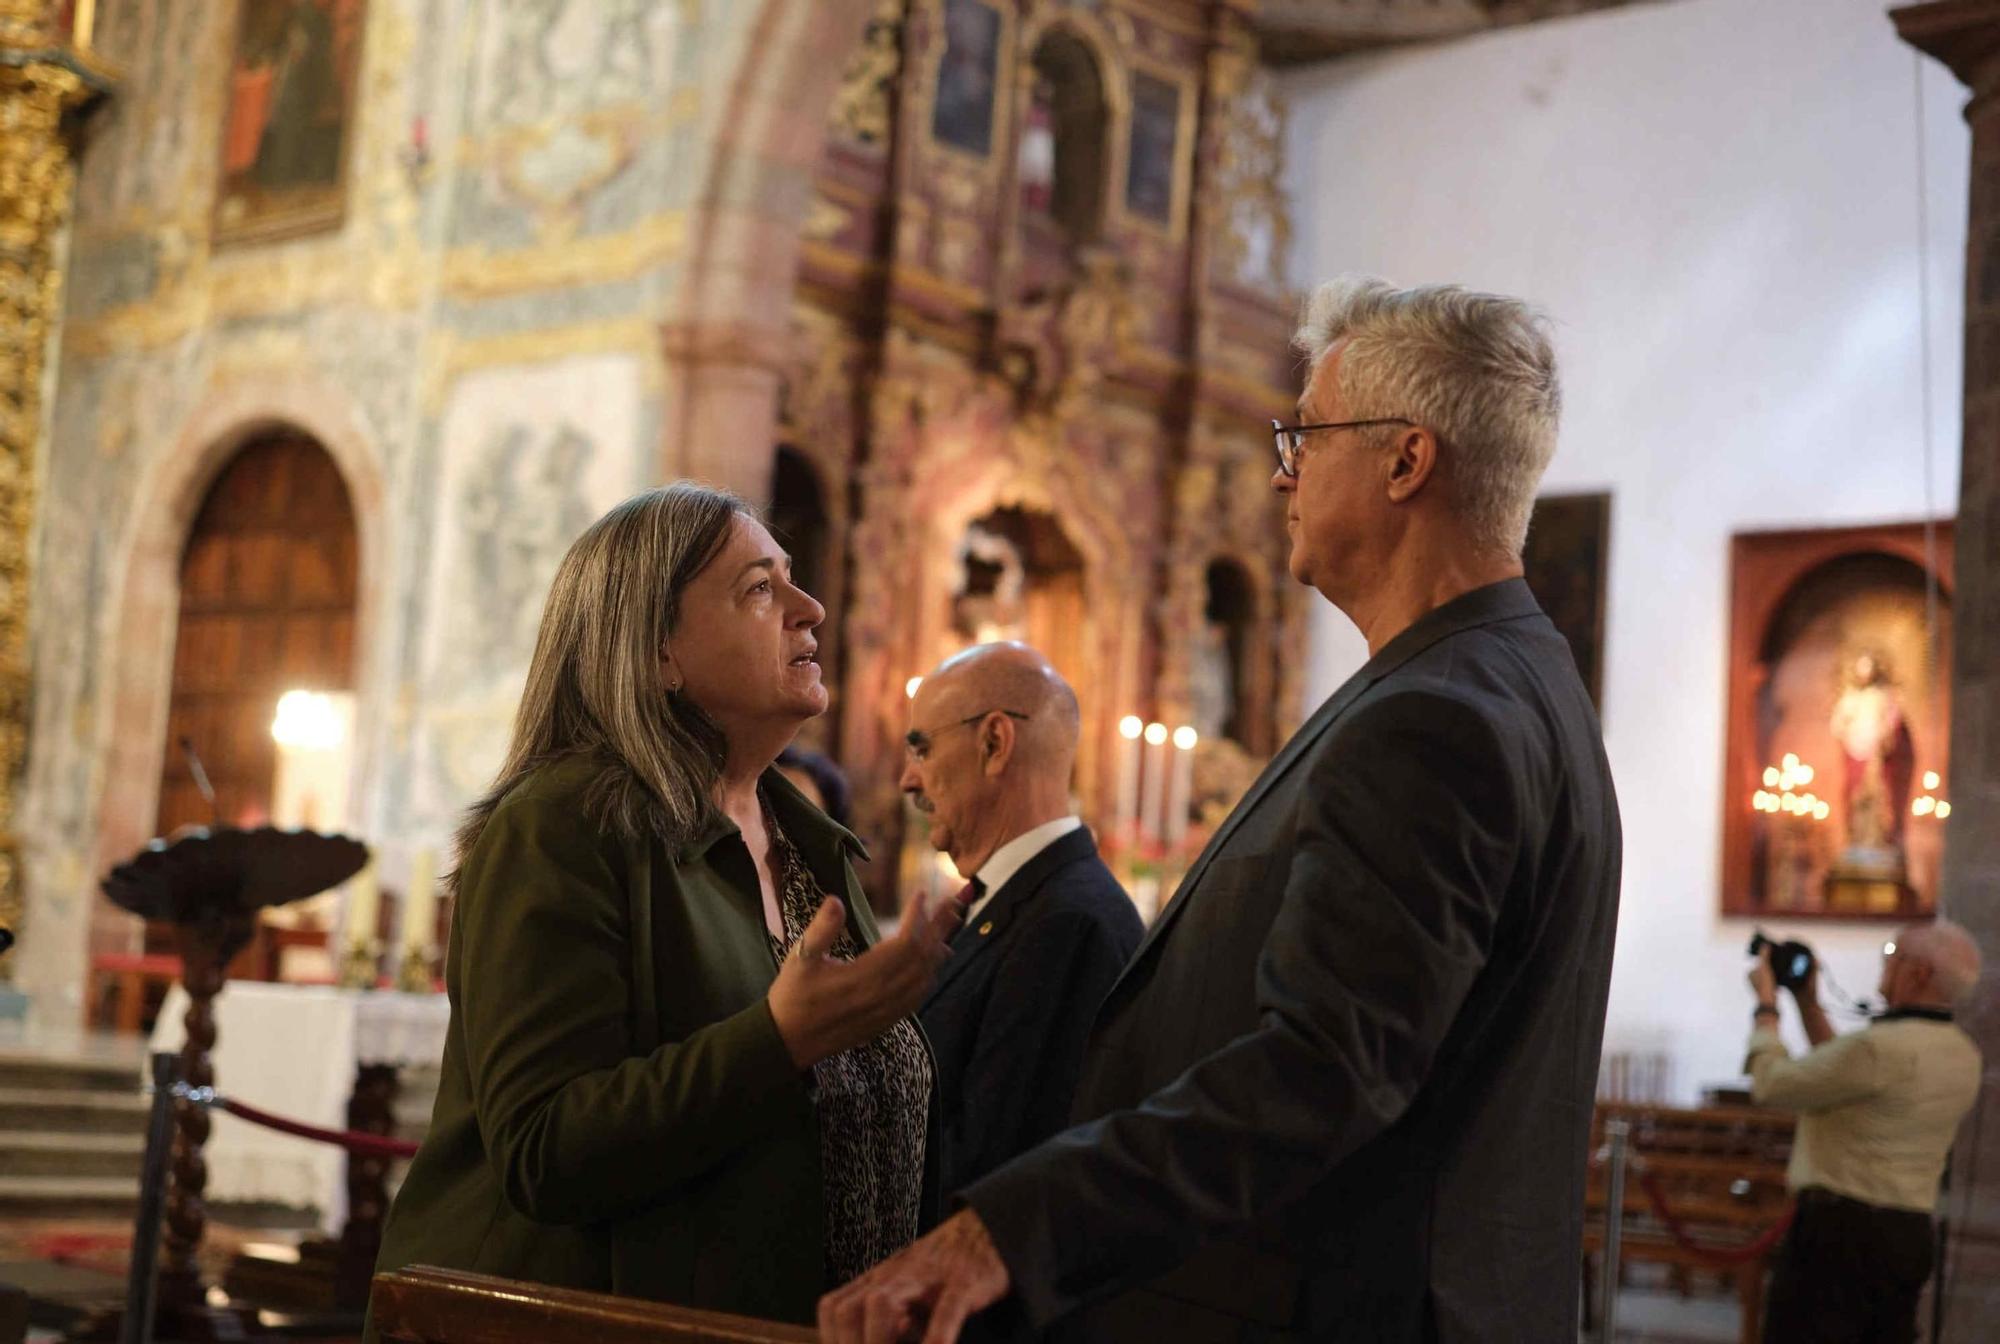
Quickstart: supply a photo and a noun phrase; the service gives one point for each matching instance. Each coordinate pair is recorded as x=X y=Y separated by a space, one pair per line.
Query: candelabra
x=358 y=965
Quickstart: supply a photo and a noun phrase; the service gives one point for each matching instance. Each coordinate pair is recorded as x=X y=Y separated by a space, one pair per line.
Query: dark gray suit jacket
x=1343 y=1092
x=1012 y=1006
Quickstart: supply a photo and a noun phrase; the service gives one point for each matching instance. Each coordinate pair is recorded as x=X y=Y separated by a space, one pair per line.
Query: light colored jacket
x=1878 y=1108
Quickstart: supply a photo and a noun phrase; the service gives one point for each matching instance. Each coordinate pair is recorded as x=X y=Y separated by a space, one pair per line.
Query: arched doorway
x=267 y=595
x=268 y=587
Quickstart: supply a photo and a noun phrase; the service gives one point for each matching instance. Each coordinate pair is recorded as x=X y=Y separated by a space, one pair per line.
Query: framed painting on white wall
x=1836 y=787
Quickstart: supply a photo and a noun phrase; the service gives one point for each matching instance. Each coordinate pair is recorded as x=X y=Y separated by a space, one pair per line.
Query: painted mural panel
x=567 y=103
x=288 y=117
x=531 y=456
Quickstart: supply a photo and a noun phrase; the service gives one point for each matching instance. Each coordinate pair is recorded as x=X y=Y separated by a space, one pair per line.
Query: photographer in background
x=1878 y=1109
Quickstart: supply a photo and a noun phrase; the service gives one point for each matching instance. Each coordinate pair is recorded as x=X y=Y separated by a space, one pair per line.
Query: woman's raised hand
x=823 y=1006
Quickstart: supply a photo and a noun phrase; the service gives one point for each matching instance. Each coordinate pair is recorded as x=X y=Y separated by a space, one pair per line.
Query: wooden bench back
x=422 y=1305
x=1717 y=1167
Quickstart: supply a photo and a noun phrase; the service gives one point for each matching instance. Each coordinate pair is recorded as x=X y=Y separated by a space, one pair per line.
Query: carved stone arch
x=724 y=338
x=135 y=690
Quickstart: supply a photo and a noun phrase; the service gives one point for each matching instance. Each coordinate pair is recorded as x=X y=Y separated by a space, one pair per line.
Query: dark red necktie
x=967 y=895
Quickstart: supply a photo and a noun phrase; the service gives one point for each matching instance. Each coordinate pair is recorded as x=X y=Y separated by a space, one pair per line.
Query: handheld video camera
x=1791 y=963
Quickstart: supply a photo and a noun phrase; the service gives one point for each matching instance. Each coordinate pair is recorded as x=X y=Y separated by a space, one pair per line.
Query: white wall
x=1718 y=202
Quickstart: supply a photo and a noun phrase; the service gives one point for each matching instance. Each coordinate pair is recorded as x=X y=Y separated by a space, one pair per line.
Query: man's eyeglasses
x=918 y=740
x=1289 y=439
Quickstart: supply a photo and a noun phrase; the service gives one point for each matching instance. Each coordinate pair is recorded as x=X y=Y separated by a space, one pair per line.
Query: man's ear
x=996 y=743
x=1416 y=454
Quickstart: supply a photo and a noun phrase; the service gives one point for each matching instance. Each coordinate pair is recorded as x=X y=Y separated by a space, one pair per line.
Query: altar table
x=295 y=1050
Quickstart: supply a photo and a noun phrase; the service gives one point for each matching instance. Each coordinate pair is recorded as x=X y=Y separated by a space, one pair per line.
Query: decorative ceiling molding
x=1293 y=32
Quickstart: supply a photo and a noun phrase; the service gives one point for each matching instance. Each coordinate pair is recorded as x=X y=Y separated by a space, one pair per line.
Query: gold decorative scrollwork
x=1254 y=227
x=864 y=107
x=39 y=85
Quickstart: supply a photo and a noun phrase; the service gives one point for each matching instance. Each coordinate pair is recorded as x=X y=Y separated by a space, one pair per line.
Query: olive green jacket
x=616 y=1111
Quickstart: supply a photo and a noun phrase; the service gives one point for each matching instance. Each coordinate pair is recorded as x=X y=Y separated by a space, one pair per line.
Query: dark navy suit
x=1013 y=1004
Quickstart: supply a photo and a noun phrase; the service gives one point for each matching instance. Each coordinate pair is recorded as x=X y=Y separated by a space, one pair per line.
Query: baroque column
x=1965 y=36
x=44 y=82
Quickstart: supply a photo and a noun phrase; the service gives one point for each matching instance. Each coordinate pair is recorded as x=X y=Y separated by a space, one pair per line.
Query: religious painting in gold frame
x=1836 y=788
x=288 y=118
x=971 y=72
x=1159 y=134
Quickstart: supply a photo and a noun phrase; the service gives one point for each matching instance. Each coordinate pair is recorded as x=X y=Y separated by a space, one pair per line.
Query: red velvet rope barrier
x=353 y=1140
x=1716 y=1257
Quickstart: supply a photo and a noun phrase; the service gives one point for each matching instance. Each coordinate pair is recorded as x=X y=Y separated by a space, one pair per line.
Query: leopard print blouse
x=872 y=1104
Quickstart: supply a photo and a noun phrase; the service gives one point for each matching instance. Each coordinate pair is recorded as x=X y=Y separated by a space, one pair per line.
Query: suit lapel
x=1000 y=913
x=1309 y=733
x=1506 y=600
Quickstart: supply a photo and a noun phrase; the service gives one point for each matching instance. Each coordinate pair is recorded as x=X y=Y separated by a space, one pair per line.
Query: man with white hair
x=1343 y=1091
x=1878 y=1109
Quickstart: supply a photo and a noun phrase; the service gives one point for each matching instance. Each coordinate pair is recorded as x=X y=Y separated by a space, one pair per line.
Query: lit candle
x=1153 y=807
x=313 y=734
x=1183 y=785
x=420 y=903
x=1129 y=729
x=364 y=906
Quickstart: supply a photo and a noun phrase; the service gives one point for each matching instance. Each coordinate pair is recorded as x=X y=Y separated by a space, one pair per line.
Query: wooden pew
x=1721 y=1171
x=422 y=1305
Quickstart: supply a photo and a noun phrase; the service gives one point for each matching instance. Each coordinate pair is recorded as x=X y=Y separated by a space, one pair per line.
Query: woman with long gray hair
x=680 y=1063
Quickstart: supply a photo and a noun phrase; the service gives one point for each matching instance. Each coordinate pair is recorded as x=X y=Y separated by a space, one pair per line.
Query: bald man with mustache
x=992 y=742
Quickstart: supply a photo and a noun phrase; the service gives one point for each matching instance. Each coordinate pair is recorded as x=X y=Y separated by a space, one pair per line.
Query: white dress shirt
x=1013 y=856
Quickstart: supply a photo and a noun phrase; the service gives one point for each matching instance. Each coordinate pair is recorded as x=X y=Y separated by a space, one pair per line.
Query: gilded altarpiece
x=1048 y=420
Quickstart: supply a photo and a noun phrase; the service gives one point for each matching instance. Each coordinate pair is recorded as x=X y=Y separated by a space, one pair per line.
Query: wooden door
x=268 y=584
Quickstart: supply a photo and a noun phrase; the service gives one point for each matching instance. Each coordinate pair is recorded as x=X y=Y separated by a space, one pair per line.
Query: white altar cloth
x=293 y=1050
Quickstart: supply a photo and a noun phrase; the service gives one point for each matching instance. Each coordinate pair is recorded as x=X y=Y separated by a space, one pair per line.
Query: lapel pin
x=986 y=928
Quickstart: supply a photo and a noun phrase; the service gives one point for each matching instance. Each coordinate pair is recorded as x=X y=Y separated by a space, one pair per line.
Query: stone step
x=27 y=1153
x=62 y=1110
x=22 y=1070
x=68 y=1196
